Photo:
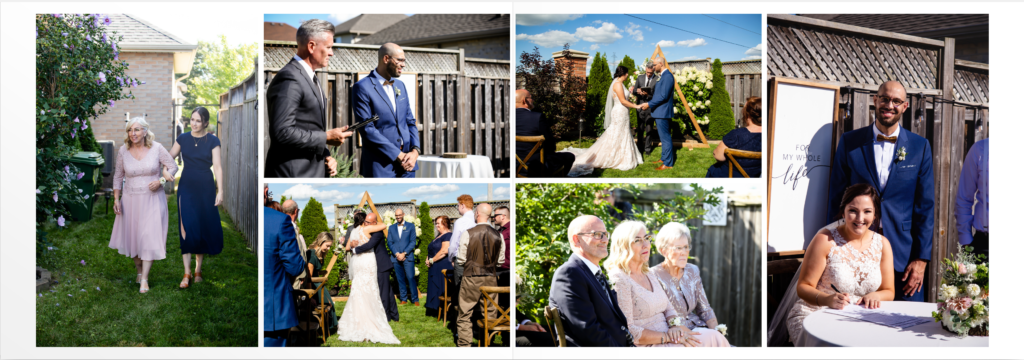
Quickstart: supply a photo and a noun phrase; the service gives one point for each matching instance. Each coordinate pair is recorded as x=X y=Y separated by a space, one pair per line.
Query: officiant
x=643 y=90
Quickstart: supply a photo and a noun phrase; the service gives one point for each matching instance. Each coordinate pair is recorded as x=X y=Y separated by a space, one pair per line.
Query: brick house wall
x=578 y=65
x=153 y=99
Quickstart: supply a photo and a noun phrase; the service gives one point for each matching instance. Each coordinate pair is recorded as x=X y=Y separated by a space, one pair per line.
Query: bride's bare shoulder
x=822 y=241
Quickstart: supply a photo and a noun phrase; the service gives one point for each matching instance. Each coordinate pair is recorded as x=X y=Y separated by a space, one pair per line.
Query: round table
x=826 y=329
x=473 y=166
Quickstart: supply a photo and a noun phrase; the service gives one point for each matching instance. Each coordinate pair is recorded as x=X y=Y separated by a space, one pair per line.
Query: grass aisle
x=689 y=163
x=97 y=303
x=414 y=330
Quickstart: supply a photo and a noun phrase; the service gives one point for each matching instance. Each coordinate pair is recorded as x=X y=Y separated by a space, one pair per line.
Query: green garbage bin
x=90 y=163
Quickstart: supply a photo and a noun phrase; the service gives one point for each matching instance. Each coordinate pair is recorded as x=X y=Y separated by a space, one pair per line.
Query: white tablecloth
x=473 y=166
x=825 y=329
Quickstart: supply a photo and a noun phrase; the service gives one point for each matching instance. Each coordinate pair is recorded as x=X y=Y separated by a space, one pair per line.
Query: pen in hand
x=839 y=292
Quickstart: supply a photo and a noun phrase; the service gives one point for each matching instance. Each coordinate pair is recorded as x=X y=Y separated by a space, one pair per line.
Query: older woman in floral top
x=683 y=285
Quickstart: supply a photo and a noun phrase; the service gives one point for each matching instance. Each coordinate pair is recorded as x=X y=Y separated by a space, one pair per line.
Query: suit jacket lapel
x=316 y=90
x=868 y=150
x=384 y=96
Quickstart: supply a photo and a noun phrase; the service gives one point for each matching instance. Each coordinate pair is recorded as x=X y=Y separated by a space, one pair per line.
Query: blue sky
x=621 y=35
x=349 y=194
x=297 y=19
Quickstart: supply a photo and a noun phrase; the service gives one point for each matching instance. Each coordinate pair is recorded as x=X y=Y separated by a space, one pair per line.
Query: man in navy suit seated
x=530 y=123
x=586 y=302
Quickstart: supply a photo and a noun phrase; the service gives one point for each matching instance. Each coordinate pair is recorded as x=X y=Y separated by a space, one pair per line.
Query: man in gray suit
x=297 y=110
x=645 y=131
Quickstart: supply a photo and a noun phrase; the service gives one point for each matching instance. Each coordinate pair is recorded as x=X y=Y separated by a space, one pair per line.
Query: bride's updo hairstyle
x=857 y=190
x=621 y=246
x=358 y=219
x=620 y=71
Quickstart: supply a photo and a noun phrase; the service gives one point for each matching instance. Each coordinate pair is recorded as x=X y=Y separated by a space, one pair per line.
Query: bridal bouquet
x=963 y=294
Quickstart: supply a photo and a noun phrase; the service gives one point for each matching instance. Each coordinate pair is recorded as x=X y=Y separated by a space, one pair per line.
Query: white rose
x=417 y=252
x=973 y=290
x=972 y=269
x=722 y=329
x=947 y=292
x=946 y=320
x=707 y=102
x=700 y=93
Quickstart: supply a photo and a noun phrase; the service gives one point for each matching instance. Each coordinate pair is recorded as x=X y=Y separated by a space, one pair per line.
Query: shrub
x=312 y=221
x=598 y=81
x=78 y=77
x=557 y=93
x=696 y=86
x=422 y=241
x=722 y=118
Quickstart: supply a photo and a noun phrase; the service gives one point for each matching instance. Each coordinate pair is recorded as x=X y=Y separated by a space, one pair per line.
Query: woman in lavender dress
x=140 y=228
x=683 y=284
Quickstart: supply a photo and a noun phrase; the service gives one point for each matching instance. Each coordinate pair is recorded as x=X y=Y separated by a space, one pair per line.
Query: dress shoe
x=658 y=162
x=416 y=304
x=663 y=167
x=402 y=303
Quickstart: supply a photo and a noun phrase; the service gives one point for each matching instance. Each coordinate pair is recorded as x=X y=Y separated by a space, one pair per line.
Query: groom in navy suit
x=898 y=163
x=662 y=104
x=402 y=242
x=587 y=304
x=393 y=141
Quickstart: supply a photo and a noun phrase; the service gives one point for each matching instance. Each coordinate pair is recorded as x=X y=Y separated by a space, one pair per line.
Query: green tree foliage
x=598 y=81
x=544 y=211
x=217 y=67
x=629 y=64
x=557 y=92
x=722 y=118
x=78 y=77
x=422 y=241
x=345 y=163
x=312 y=221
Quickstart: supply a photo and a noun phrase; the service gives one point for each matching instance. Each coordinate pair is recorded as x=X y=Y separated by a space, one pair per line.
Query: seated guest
x=530 y=123
x=281 y=262
x=437 y=260
x=531 y=334
x=316 y=256
x=641 y=297
x=745 y=138
x=683 y=284
x=587 y=305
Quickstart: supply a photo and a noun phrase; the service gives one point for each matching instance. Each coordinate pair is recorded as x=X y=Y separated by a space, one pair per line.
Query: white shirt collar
x=309 y=70
x=594 y=268
x=877 y=132
x=663 y=71
x=380 y=78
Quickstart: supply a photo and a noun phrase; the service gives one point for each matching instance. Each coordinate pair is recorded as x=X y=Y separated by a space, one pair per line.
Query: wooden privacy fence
x=412 y=209
x=948 y=98
x=729 y=258
x=742 y=80
x=463 y=103
x=236 y=128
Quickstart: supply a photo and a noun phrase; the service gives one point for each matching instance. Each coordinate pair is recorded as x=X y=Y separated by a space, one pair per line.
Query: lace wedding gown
x=363 y=318
x=614 y=149
x=857 y=273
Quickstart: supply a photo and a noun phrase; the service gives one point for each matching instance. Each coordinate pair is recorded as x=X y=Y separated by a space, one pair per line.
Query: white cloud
x=754 y=51
x=606 y=34
x=594 y=47
x=541 y=19
x=551 y=38
x=432 y=190
x=502 y=192
x=752 y=57
x=666 y=43
x=634 y=31
x=340 y=18
x=688 y=58
x=306 y=191
x=693 y=43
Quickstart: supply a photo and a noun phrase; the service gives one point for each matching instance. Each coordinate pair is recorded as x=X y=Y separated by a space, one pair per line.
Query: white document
x=880 y=317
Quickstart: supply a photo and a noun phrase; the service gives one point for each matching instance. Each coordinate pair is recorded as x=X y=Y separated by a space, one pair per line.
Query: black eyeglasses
x=886 y=99
x=597 y=235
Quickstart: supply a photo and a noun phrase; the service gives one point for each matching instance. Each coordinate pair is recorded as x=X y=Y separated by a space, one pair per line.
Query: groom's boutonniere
x=901 y=154
x=398 y=92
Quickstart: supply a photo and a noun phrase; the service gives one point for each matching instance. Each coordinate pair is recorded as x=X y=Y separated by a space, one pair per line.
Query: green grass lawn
x=689 y=163
x=415 y=329
x=98 y=303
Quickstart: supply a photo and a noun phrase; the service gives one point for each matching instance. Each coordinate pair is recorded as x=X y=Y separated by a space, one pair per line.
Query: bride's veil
x=609 y=104
x=778 y=333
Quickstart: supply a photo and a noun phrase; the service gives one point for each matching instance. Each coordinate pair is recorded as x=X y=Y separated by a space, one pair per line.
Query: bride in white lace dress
x=363 y=318
x=848 y=255
x=615 y=148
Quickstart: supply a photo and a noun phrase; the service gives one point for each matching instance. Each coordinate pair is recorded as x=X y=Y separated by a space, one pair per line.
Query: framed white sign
x=801 y=119
x=411 y=86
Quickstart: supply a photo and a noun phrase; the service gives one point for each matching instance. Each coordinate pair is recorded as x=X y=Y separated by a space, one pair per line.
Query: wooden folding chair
x=551 y=315
x=445 y=300
x=539 y=140
x=732 y=154
x=319 y=308
x=502 y=322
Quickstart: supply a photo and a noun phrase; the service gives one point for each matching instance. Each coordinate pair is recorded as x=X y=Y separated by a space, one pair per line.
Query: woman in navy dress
x=199 y=194
x=745 y=138
x=437 y=260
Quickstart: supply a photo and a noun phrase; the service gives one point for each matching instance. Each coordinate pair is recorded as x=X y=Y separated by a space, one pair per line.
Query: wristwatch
x=418 y=151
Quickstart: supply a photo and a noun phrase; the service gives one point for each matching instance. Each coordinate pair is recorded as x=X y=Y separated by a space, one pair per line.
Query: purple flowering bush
x=78 y=77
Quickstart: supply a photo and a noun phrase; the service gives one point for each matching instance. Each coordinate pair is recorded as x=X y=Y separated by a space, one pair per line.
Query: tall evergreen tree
x=598 y=81
x=721 y=118
x=312 y=221
x=426 y=236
